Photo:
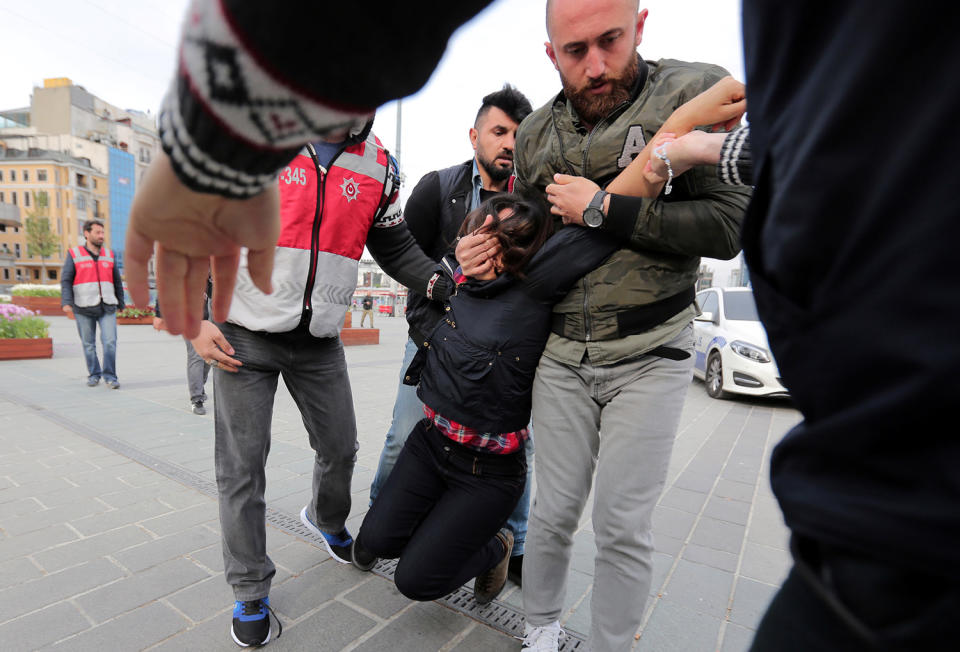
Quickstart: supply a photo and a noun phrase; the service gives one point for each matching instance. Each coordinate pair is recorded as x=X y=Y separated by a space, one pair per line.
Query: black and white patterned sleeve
x=252 y=86
x=735 y=166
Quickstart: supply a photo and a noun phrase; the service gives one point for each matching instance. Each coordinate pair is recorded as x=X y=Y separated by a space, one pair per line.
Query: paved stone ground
x=109 y=529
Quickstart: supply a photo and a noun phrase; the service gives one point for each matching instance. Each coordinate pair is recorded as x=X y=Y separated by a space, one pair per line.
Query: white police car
x=731 y=348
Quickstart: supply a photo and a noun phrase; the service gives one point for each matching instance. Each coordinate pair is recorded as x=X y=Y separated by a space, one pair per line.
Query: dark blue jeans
x=87 y=327
x=440 y=510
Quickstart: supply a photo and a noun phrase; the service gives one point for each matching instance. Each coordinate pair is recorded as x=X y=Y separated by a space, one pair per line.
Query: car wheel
x=713 y=378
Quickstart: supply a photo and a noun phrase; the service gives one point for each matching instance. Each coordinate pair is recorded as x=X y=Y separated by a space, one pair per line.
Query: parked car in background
x=732 y=352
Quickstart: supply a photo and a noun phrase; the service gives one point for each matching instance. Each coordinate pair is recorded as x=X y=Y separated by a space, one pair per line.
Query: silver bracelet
x=661 y=153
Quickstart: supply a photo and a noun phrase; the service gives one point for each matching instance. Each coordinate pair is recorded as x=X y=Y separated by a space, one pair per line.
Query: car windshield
x=740 y=306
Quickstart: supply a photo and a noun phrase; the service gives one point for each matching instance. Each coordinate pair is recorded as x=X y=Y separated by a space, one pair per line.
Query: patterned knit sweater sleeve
x=255 y=81
x=735 y=166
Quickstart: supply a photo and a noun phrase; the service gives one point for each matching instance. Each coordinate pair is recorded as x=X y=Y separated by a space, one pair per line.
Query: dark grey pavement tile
x=108 y=520
x=210 y=557
x=179 y=521
x=49 y=589
x=737 y=638
x=678 y=628
x=331 y=628
x=32 y=542
x=379 y=596
x=727 y=509
x=132 y=592
x=765 y=563
x=18 y=571
x=683 y=499
x=672 y=522
x=750 y=601
x=35 y=519
x=424 y=627
x=42 y=627
x=90 y=548
x=667 y=545
x=299 y=595
x=136 y=630
x=699 y=587
x=298 y=556
x=484 y=639
x=735 y=490
x=151 y=553
x=695 y=481
x=726 y=561
x=718 y=535
x=204 y=599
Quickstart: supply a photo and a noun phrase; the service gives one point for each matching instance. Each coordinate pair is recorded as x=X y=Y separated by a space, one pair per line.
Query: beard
x=594 y=108
x=497 y=172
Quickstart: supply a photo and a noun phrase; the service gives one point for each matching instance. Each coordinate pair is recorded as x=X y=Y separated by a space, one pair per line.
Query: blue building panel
x=123 y=177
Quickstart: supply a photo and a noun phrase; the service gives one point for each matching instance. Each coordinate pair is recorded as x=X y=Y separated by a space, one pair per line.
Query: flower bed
x=22 y=334
x=41 y=299
x=131 y=315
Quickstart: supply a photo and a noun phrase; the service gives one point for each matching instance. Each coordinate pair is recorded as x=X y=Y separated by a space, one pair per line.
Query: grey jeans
x=315 y=372
x=197 y=372
x=615 y=423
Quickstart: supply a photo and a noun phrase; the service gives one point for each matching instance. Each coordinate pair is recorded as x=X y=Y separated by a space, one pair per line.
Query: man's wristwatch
x=593 y=214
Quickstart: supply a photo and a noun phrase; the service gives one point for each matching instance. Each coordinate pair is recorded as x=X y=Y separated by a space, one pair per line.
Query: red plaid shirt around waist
x=486 y=442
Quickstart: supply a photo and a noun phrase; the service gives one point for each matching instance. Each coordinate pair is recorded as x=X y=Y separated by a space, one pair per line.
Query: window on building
x=81 y=203
x=41 y=175
x=13 y=175
x=96 y=208
x=6 y=274
x=43 y=198
x=26 y=176
x=19 y=274
x=81 y=180
x=26 y=199
x=3 y=229
x=1 y=195
x=59 y=225
x=1 y=175
x=13 y=196
x=56 y=177
x=16 y=249
x=52 y=274
x=36 y=275
x=58 y=199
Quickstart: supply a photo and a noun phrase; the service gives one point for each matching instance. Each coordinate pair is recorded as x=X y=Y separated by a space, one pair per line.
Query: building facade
x=39 y=183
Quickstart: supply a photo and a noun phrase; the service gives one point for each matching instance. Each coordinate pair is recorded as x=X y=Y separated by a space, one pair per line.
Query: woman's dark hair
x=521 y=232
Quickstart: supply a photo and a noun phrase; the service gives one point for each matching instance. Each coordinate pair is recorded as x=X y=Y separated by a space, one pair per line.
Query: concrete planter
x=26 y=348
x=135 y=320
x=40 y=305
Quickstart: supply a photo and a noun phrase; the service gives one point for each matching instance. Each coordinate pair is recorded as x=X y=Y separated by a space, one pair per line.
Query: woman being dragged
x=463 y=468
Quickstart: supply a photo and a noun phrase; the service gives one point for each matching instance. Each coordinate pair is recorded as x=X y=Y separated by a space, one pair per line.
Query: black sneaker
x=198 y=408
x=251 y=623
x=515 y=570
x=488 y=585
x=361 y=558
x=338 y=545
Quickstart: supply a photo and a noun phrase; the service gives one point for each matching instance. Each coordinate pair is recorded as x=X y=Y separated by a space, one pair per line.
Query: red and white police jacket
x=93 y=281
x=325 y=216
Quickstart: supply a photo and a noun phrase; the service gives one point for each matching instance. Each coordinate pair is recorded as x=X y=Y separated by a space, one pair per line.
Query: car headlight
x=750 y=351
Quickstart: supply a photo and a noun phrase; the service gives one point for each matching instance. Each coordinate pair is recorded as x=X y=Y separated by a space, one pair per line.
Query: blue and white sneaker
x=338 y=545
x=251 y=622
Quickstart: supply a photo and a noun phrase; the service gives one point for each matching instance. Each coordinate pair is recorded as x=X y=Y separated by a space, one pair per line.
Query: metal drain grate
x=502 y=617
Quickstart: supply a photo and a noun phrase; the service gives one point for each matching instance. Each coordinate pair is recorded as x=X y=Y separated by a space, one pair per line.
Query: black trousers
x=837 y=600
x=440 y=510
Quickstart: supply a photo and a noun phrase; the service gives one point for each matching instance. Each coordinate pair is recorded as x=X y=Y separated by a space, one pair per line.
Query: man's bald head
x=632 y=5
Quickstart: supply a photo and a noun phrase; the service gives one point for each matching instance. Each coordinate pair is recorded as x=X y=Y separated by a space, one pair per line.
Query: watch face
x=593 y=217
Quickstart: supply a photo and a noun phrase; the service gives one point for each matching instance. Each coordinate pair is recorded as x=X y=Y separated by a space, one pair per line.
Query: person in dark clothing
x=367 y=310
x=462 y=468
x=435 y=213
x=92 y=291
x=197 y=368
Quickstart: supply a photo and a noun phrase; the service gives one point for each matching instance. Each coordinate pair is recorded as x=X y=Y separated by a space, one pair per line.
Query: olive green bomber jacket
x=664 y=237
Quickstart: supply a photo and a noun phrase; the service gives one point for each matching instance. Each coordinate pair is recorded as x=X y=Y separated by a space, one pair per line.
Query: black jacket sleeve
x=570 y=254
x=422 y=211
x=118 y=288
x=67 y=274
x=398 y=254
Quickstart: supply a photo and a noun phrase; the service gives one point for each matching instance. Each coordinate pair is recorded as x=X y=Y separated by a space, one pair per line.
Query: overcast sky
x=124 y=51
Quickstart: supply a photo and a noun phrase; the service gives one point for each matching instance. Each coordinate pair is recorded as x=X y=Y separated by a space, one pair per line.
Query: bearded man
x=612 y=381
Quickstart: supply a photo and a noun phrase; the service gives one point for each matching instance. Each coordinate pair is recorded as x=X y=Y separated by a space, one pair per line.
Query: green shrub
x=131 y=311
x=35 y=290
x=17 y=322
